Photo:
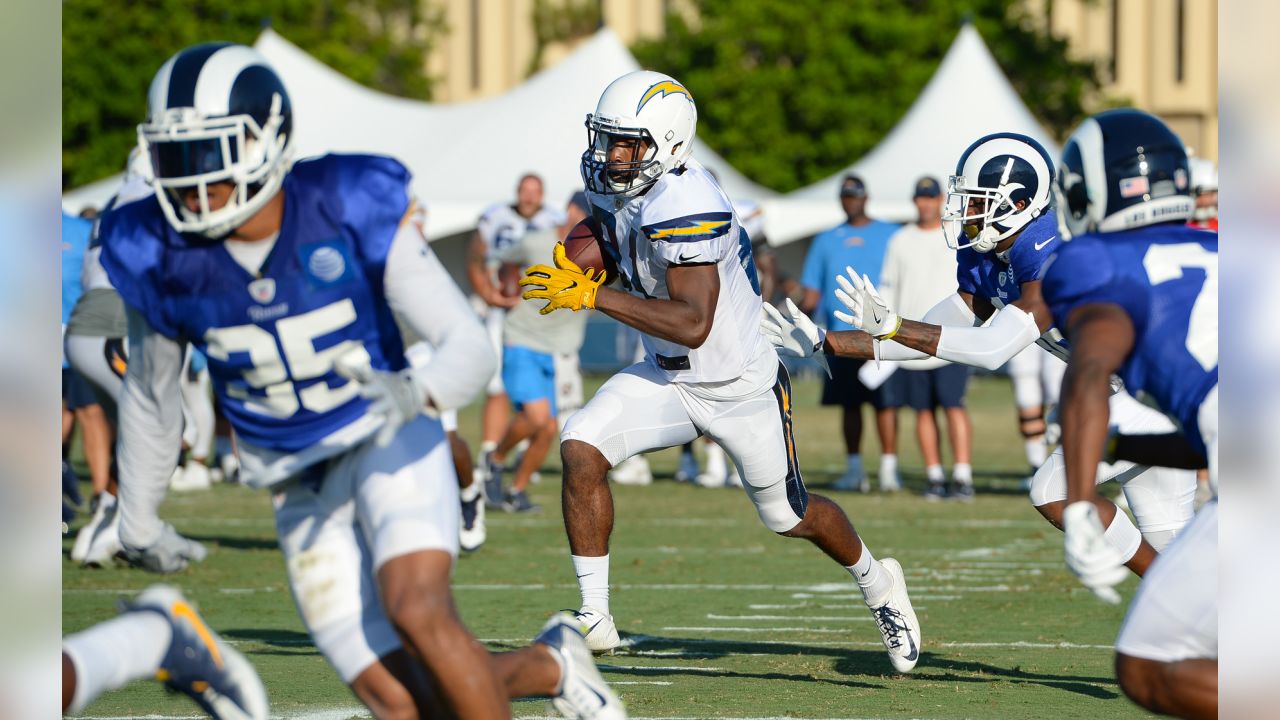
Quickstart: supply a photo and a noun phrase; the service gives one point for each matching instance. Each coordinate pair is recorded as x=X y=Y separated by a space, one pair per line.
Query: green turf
x=729 y=620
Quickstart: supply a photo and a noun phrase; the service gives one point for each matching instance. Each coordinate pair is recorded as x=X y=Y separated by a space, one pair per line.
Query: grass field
x=726 y=620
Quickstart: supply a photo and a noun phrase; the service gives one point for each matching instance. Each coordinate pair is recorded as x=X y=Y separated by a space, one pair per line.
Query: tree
x=111 y=50
x=790 y=91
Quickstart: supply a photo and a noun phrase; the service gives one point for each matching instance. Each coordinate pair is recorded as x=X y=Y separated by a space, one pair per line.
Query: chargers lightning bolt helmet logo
x=662 y=89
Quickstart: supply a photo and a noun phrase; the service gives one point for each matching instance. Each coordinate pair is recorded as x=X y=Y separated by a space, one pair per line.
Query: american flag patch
x=1134 y=186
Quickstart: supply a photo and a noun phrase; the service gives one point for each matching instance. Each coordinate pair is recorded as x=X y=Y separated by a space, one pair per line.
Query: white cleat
x=632 y=471
x=896 y=619
x=889 y=481
x=582 y=692
x=106 y=541
x=194 y=476
x=601 y=634
x=102 y=504
x=471 y=531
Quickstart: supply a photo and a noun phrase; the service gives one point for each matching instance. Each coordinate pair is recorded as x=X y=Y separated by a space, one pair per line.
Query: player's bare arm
x=480 y=278
x=684 y=319
x=1101 y=337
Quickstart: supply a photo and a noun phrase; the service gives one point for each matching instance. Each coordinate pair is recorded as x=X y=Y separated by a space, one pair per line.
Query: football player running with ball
x=999 y=221
x=689 y=285
x=1136 y=292
x=292 y=279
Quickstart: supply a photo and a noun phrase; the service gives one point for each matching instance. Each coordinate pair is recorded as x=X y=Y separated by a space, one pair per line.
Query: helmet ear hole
x=675 y=149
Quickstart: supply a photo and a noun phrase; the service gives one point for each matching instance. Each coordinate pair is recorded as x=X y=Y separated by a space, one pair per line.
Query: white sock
x=934 y=473
x=113 y=654
x=962 y=473
x=593 y=580
x=874 y=582
x=1037 y=453
x=888 y=465
x=470 y=492
x=716 y=466
x=855 y=464
x=486 y=447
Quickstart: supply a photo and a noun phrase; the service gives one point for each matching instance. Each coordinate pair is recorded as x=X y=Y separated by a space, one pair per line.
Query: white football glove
x=397 y=397
x=1097 y=564
x=867 y=310
x=794 y=337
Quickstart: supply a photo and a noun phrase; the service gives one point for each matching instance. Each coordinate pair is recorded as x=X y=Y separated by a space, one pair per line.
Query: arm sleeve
x=150 y=417
x=424 y=297
x=1010 y=331
x=951 y=310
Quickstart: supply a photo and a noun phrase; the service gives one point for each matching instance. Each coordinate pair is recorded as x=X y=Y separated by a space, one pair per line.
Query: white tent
x=968 y=97
x=464 y=156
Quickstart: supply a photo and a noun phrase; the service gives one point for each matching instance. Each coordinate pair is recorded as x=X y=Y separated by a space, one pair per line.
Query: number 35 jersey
x=1166 y=279
x=684 y=219
x=271 y=338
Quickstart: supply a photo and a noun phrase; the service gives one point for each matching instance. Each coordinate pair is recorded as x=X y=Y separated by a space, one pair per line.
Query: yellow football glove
x=562 y=286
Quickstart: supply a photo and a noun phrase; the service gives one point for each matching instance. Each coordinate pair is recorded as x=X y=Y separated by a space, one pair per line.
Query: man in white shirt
x=919 y=271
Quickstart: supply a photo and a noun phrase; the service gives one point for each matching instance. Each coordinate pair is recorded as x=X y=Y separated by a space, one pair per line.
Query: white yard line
x=817 y=618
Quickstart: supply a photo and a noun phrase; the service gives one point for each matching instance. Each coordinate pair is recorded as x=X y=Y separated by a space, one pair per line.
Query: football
x=585 y=246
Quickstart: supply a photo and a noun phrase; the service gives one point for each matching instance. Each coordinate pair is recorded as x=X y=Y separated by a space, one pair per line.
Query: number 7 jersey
x=1165 y=278
x=272 y=337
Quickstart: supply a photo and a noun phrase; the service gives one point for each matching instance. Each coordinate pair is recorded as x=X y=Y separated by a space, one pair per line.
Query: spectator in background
x=502 y=226
x=531 y=342
x=919 y=272
x=860 y=242
x=1204 y=186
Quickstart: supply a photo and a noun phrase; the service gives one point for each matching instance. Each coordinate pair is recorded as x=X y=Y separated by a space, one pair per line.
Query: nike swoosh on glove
x=796 y=336
x=562 y=286
x=867 y=310
x=396 y=397
x=1089 y=556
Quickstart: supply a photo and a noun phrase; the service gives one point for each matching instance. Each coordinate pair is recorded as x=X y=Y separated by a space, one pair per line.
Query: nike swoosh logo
x=1046 y=242
x=915 y=652
x=876 y=316
x=686 y=258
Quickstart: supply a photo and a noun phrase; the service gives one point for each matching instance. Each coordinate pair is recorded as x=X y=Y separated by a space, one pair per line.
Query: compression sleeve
x=150 y=417
x=424 y=297
x=951 y=310
x=1010 y=331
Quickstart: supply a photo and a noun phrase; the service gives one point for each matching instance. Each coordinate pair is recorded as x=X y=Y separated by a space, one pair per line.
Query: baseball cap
x=852 y=186
x=927 y=187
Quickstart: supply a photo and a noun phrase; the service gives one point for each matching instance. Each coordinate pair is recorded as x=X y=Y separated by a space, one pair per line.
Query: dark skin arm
x=858 y=344
x=1102 y=336
x=685 y=319
x=478 y=274
x=924 y=337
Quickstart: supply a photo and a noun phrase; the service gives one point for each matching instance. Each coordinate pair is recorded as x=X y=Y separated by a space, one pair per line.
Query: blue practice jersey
x=1166 y=279
x=861 y=247
x=271 y=338
x=75 y=241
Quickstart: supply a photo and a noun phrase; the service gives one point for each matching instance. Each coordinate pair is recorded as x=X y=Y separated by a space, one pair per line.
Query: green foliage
x=790 y=91
x=111 y=50
x=561 y=21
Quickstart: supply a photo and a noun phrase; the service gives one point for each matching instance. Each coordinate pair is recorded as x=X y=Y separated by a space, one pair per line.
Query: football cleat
x=491 y=471
x=104 y=504
x=936 y=491
x=852 y=481
x=889 y=481
x=199 y=664
x=168 y=554
x=897 y=620
x=106 y=541
x=598 y=628
x=961 y=491
x=517 y=501
x=471 y=531
x=688 y=470
x=193 y=476
x=581 y=692
x=632 y=471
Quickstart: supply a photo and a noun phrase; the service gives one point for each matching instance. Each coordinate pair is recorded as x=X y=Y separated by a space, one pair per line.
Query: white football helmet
x=653 y=111
x=994 y=174
x=217 y=112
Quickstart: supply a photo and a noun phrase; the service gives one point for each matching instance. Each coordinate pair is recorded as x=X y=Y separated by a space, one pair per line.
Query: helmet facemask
x=625 y=177
x=191 y=152
x=979 y=217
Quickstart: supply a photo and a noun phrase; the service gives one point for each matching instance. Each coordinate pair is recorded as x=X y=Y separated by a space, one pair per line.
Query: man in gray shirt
x=531 y=345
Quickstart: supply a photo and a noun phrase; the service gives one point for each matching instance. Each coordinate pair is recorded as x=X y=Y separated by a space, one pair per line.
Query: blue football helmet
x=1122 y=169
x=217 y=112
x=1000 y=185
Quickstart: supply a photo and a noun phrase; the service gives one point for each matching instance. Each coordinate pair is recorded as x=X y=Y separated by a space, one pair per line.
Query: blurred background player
x=1136 y=292
x=688 y=284
x=1036 y=376
x=858 y=241
x=1204 y=187
x=919 y=271
x=345 y=436
x=159 y=635
x=530 y=344
x=499 y=227
x=79 y=406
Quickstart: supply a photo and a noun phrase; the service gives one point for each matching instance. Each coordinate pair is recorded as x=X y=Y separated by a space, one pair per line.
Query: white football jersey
x=500 y=226
x=686 y=218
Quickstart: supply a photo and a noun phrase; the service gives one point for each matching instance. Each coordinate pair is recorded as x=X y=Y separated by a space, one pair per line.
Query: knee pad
x=1032 y=427
x=1162 y=501
x=1027 y=392
x=1123 y=536
x=1049 y=484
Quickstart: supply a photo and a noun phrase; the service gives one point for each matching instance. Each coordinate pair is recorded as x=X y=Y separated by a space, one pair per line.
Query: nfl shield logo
x=263 y=290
